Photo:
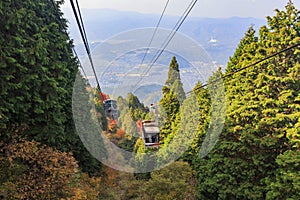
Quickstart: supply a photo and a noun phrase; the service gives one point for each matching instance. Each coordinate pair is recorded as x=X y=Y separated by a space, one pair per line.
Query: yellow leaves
x=237 y=129
x=294 y=135
x=48 y=174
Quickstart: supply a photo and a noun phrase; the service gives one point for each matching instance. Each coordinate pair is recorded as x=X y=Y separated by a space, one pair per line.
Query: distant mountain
x=119 y=39
x=149 y=93
x=219 y=37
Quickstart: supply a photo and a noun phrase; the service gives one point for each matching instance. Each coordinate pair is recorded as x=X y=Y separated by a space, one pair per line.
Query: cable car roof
x=151 y=129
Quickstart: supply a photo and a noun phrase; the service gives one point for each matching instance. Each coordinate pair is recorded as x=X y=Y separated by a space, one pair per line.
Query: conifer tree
x=203 y=111
x=173 y=73
x=174 y=80
x=281 y=95
x=136 y=108
x=173 y=96
x=38 y=71
x=256 y=146
x=227 y=171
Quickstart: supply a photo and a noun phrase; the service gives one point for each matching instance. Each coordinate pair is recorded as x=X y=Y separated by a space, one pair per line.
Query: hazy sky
x=203 y=8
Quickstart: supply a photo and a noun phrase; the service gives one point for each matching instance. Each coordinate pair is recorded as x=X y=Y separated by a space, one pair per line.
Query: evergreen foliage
x=203 y=104
x=173 y=96
x=256 y=156
x=99 y=109
x=38 y=70
x=175 y=181
x=136 y=108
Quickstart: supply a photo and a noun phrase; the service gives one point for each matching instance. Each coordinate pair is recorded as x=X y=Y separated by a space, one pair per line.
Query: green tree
x=174 y=80
x=38 y=71
x=126 y=122
x=136 y=108
x=99 y=109
x=253 y=151
x=176 y=181
x=173 y=96
x=282 y=99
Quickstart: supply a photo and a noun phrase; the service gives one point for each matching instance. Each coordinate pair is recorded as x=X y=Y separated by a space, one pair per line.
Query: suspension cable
x=85 y=41
x=154 y=33
x=168 y=40
x=246 y=67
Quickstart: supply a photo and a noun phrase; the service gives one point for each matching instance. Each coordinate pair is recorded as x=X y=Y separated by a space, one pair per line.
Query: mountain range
x=118 y=60
x=218 y=36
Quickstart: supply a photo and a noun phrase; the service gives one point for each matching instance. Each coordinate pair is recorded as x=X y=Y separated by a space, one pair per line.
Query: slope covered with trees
x=256 y=156
x=38 y=70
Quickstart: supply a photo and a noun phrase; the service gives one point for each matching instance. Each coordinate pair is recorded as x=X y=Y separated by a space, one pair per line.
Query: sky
x=203 y=8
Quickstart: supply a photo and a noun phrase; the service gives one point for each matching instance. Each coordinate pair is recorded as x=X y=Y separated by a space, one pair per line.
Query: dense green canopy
x=256 y=156
x=38 y=70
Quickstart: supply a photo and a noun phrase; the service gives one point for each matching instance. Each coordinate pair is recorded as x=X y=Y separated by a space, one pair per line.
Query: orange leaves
x=30 y=170
x=48 y=172
x=114 y=133
x=110 y=176
x=139 y=126
x=112 y=125
x=104 y=96
x=88 y=188
x=120 y=133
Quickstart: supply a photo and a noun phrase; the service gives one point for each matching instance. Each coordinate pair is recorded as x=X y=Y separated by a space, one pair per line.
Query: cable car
x=150 y=131
x=111 y=109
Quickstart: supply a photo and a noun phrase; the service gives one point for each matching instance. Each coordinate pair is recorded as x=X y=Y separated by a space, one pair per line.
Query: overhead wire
x=82 y=24
x=179 y=24
x=154 y=33
x=169 y=38
x=85 y=41
x=174 y=29
x=65 y=31
x=246 y=67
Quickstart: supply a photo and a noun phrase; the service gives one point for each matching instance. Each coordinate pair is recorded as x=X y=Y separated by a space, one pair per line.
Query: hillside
x=234 y=135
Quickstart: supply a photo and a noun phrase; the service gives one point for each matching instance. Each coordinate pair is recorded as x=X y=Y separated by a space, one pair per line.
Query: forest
x=238 y=138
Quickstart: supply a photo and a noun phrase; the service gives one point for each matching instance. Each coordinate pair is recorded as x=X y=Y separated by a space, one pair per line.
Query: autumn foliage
x=30 y=170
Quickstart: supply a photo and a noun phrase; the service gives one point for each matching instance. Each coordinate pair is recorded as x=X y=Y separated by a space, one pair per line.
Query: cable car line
x=150 y=129
x=154 y=33
x=65 y=31
x=85 y=41
x=150 y=137
x=89 y=50
x=80 y=63
x=80 y=28
x=167 y=42
x=169 y=38
x=246 y=67
x=174 y=30
x=81 y=21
